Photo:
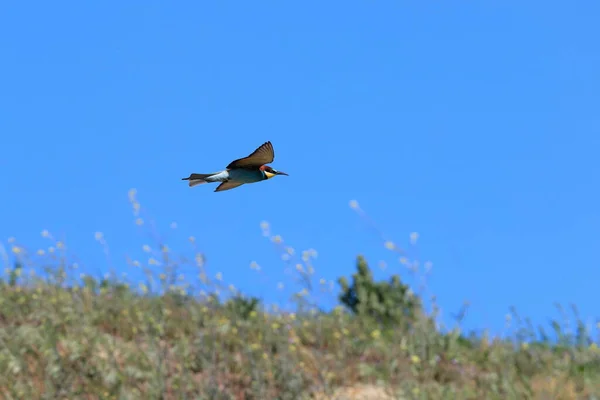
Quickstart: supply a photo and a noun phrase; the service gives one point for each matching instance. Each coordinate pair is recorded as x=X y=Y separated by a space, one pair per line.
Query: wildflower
x=139 y=221
x=290 y=250
x=354 y=204
x=41 y=252
x=414 y=236
x=132 y=192
x=428 y=266
x=192 y=239
x=253 y=314
x=376 y=334
x=337 y=335
x=280 y=286
x=415 y=359
x=146 y=248
x=305 y=256
x=389 y=245
x=16 y=250
x=322 y=281
x=254 y=265
x=277 y=239
x=45 y=233
x=152 y=261
x=299 y=267
x=98 y=236
x=219 y=276
x=275 y=326
x=162 y=277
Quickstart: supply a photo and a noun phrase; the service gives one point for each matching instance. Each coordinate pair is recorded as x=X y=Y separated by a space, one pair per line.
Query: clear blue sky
x=475 y=125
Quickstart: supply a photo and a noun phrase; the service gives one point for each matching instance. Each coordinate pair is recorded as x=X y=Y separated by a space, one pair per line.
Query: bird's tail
x=196 y=179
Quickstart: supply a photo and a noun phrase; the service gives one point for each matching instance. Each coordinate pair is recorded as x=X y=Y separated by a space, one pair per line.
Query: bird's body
x=249 y=169
x=238 y=175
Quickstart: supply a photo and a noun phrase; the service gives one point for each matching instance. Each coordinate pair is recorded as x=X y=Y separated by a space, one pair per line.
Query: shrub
x=390 y=303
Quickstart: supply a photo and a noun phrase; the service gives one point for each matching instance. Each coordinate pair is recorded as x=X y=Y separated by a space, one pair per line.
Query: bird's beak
x=282 y=173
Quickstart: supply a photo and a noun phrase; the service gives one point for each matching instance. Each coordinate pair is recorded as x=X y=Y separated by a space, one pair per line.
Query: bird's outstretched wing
x=228 y=185
x=263 y=155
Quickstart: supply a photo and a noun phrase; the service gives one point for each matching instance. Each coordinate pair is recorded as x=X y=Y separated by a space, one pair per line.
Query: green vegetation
x=62 y=338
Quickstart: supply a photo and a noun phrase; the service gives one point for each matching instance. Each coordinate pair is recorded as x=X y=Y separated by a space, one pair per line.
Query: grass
x=67 y=338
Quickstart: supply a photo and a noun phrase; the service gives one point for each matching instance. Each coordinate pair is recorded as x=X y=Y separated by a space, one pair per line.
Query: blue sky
x=475 y=125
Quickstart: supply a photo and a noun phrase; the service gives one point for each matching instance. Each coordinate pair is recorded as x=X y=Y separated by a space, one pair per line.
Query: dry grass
x=64 y=338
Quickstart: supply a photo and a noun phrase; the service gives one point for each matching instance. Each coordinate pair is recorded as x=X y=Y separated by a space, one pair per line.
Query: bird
x=249 y=169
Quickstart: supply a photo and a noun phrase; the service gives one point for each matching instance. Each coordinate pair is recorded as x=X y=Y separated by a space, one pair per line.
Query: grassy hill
x=105 y=340
x=62 y=338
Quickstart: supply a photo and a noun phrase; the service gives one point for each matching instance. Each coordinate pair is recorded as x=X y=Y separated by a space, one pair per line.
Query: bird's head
x=270 y=172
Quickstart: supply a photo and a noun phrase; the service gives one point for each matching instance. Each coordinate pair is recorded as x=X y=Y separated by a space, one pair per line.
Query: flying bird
x=243 y=170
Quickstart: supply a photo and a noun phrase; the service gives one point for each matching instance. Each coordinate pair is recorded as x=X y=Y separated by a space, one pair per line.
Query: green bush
x=390 y=303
